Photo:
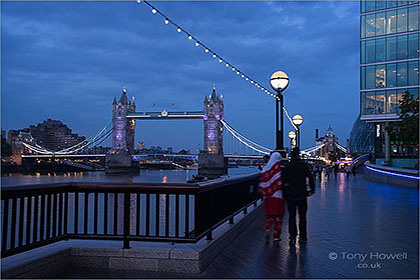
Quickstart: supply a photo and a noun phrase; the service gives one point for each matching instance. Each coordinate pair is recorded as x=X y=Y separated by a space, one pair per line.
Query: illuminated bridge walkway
x=347 y=219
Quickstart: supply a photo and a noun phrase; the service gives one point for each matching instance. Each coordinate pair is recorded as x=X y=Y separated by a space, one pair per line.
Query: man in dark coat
x=294 y=176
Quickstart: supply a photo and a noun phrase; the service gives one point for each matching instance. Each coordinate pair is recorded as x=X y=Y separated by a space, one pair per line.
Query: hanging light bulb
x=197 y=43
x=138 y=1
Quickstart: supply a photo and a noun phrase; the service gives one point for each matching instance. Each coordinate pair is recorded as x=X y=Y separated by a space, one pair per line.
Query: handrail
x=12 y=191
x=36 y=215
x=222 y=182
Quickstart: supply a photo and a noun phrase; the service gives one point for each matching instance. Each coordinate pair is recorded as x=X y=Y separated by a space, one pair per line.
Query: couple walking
x=280 y=186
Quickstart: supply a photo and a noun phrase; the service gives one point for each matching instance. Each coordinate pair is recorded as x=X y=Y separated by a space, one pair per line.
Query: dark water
x=149 y=176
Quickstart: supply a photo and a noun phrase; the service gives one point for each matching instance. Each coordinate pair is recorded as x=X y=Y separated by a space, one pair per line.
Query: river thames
x=145 y=176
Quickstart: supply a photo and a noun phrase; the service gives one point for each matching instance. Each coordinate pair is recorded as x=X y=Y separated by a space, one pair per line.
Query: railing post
x=246 y=210
x=231 y=221
x=126 y=220
x=210 y=235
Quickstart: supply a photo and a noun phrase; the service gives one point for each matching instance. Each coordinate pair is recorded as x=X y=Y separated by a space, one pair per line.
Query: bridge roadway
x=346 y=217
x=140 y=155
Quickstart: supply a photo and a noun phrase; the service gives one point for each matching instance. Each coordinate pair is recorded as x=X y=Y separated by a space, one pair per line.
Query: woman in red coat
x=271 y=188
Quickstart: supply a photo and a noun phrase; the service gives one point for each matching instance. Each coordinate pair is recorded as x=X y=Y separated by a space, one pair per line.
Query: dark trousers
x=299 y=204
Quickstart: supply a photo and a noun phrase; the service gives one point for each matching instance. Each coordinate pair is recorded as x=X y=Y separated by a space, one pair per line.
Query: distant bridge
x=136 y=156
x=233 y=144
x=166 y=115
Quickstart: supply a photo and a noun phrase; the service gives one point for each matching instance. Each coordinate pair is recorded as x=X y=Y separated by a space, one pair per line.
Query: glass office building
x=389 y=61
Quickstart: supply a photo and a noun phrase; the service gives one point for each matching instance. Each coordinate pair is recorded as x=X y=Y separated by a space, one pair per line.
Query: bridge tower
x=123 y=128
x=331 y=142
x=211 y=162
x=213 y=128
x=119 y=161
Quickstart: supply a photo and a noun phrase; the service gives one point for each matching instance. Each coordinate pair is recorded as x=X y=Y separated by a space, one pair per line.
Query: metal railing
x=37 y=215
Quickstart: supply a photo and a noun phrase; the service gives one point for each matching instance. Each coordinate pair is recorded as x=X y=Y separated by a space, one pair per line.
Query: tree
x=407 y=130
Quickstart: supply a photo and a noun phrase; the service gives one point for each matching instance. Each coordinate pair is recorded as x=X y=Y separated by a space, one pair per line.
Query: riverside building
x=389 y=66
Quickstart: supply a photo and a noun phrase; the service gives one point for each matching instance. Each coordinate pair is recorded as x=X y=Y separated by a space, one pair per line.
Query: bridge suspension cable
x=312 y=149
x=342 y=148
x=208 y=50
x=92 y=141
x=246 y=141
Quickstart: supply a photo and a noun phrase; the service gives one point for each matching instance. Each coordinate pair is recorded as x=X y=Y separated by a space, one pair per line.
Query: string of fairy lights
x=216 y=56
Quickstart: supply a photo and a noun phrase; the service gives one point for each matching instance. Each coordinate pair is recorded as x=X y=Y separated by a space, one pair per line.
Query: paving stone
x=179 y=266
x=133 y=264
x=146 y=253
x=105 y=252
x=183 y=252
x=90 y=261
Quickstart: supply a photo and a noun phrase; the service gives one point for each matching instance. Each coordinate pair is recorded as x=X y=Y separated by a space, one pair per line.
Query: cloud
x=67 y=60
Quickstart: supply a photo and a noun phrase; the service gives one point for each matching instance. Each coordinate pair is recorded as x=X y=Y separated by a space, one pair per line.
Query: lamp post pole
x=297 y=121
x=279 y=122
x=279 y=82
x=292 y=137
x=281 y=142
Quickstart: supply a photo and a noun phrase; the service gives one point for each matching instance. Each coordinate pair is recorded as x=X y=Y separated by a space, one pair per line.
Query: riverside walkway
x=356 y=229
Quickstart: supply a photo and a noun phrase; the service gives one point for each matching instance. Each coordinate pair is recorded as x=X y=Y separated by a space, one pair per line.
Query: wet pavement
x=356 y=229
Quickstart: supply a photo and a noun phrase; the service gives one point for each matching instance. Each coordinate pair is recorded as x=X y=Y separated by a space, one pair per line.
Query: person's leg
x=268 y=223
x=302 y=208
x=278 y=220
x=291 y=208
x=277 y=227
x=267 y=227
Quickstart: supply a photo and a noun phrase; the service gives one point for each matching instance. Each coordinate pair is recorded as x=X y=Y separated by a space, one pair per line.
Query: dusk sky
x=67 y=61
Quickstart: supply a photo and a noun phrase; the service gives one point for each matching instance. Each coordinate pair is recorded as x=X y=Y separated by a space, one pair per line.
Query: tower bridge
x=124 y=117
x=212 y=160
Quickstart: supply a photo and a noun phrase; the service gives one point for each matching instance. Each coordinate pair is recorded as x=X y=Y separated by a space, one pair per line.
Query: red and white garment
x=271 y=186
x=270 y=180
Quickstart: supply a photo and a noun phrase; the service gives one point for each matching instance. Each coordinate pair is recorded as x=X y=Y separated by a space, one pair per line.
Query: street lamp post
x=279 y=82
x=292 y=136
x=297 y=121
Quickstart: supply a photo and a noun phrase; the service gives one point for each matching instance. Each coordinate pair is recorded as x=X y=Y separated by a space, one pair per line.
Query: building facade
x=51 y=134
x=389 y=65
x=362 y=137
